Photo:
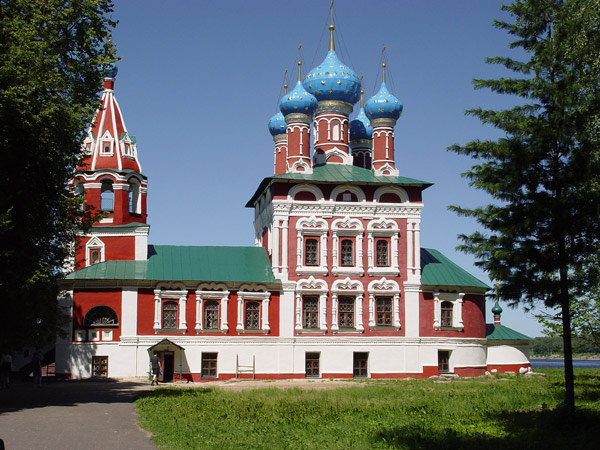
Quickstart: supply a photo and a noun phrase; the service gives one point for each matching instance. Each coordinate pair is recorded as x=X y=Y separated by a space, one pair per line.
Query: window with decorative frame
x=382 y=253
x=311 y=252
x=310 y=312
x=252 y=321
x=446 y=319
x=383 y=311
x=346 y=314
x=101 y=316
x=347 y=252
x=211 y=315
x=169 y=314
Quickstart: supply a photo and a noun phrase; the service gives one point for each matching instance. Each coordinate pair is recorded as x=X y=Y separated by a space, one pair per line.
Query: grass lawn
x=495 y=413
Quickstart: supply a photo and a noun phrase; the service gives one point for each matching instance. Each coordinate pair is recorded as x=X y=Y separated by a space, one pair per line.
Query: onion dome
x=332 y=79
x=383 y=105
x=360 y=128
x=111 y=70
x=497 y=309
x=277 y=124
x=298 y=101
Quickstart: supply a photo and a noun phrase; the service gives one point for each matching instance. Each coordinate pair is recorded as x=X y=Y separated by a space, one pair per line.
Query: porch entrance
x=171 y=358
x=167 y=360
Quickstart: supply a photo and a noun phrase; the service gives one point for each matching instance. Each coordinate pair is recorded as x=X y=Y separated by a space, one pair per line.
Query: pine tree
x=544 y=175
x=53 y=54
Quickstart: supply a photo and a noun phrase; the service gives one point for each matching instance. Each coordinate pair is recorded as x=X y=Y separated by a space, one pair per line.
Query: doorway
x=167 y=360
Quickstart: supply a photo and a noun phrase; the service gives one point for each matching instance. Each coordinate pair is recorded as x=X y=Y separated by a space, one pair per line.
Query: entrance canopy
x=166 y=344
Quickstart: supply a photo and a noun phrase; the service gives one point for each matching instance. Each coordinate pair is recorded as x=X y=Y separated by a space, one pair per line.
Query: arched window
x=335 y=131
x=134 y=196
x=347 y=252
x=446 y=319
x=169 y=315
x=211 y=315
x=382 y=254
x=107 y=196
x=101 y=316
x=311 y=247
x=252 y=315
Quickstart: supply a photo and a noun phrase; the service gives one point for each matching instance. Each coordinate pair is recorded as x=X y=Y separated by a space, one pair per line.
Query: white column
x=240 y=314
x=437 y=310
x=182 y=308
x=370 y=251
x=334 y=313
x=417 y=262
x=359 y=311
x=198 y=326
x=323 y=312
x=334 y=251
x=411 y=308
x=409 y=249
x=299 y=250
x=265 y=315
x=395 y=252
x=371 y=310
x=457 y=310
x=396 y=311
x=129 y=312
x=284 y=249
x=359 y=251
x=157 y=309
x=324 y=250
x=298 y=312
x=275 y=250
x=224 y=325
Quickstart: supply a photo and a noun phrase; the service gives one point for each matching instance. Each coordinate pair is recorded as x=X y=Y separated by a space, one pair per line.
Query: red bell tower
x=109 y=176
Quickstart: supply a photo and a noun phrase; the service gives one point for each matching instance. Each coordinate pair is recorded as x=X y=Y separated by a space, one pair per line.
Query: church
x=336 y=285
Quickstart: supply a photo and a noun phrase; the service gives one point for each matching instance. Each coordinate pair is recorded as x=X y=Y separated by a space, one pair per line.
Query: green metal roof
x=501 y=333
x=337 y=173
x=437 y=270
x=127 y=225
x=179 y=263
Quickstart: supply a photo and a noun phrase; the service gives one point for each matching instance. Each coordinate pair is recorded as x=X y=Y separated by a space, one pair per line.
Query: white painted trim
x=315 y=190
x=384 y=288
x=456 y=298
x=94 y=244
x=360 y=195
x=311 y=286
x=401 y=193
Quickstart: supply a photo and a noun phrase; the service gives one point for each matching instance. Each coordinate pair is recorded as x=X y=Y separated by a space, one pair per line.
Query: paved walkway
x=72 y=415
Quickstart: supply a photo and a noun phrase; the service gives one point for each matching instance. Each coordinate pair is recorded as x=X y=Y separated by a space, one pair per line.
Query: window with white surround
x=170 y=309
x=311 y=300
x=211 y=308
x=135 y=205
x=94 y=251
x=347 y=305
x=387 y=232
x=347 y=254
x=311 y=233
x=107 y=196
x=447 y=310
x=106 y=144
x=253 y=309
x=384 y=304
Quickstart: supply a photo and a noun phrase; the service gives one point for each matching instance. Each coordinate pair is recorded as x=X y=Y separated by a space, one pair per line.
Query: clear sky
x=199 y=80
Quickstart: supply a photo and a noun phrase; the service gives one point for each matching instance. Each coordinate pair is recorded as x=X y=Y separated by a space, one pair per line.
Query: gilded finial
x=299 y=71
x=362 y=91
x=331 y=27
x=285 y=85
x=383 y=64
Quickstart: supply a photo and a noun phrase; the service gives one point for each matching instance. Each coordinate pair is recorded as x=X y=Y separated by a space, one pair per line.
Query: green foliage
x=553 y=345
x=52 y=58
x=503 y=412
x=544 y=175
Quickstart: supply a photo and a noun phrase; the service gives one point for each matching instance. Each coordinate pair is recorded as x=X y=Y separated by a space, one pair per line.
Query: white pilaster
x=411 y=308
x=265 y=315
x=334 y=313
x=224 y=325
x=182 y=312
x=359 y=312
x=198 y=326
x=129 y=311
x=157 y=320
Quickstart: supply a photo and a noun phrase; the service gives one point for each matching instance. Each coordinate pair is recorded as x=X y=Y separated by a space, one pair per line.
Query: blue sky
x=199 y=80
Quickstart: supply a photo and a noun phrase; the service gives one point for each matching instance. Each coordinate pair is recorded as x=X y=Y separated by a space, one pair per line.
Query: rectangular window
x=346 y=306
x=94 y=256
x=446 y=316
x=310 y=312
x=360 y=365
x=311 y=252
x=312 y=365
x=443 y=361
x=209 y=365
x=211 y=315
x=169 y=315
x=383 y=307
x=100 y=366
x=347 y=252
x=106 y=147
x=252 y=316
x=382 y=253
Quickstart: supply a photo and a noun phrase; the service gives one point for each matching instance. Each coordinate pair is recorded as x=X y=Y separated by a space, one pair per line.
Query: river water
x=559 y=363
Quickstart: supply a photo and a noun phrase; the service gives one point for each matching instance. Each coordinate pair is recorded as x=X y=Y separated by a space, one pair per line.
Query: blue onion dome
x=332 y=79
x=383 y=105
x=298 y=101
x=360 y=128
x=111 y=70
x=277 y=124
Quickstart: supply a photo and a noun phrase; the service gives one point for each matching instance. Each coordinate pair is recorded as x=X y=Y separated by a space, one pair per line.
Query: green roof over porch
x=494 y=331
x=437 y=270
x=187 y=263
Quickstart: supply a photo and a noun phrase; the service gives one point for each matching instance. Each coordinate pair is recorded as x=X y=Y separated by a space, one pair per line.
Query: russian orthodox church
x=336 y=285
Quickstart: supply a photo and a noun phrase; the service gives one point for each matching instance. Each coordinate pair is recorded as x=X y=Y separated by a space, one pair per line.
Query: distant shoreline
x=581 y=357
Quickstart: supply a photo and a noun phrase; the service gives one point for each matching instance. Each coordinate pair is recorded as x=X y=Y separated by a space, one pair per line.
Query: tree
x=52 y=58
x=544 y=175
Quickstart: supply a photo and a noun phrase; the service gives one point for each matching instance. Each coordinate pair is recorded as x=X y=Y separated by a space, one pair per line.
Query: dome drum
x=298 y=118
x=383 y=122
x=334 y=107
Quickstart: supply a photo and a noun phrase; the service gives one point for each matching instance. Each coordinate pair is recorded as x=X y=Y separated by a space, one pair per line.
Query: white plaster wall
x=129 y=297
x=507 y=354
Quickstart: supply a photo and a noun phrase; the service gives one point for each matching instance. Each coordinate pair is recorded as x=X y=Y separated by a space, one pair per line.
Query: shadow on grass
x=175 y=392
x=525 y=430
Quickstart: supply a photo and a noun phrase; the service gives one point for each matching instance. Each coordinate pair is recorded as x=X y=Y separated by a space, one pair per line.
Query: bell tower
x=109 y=177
